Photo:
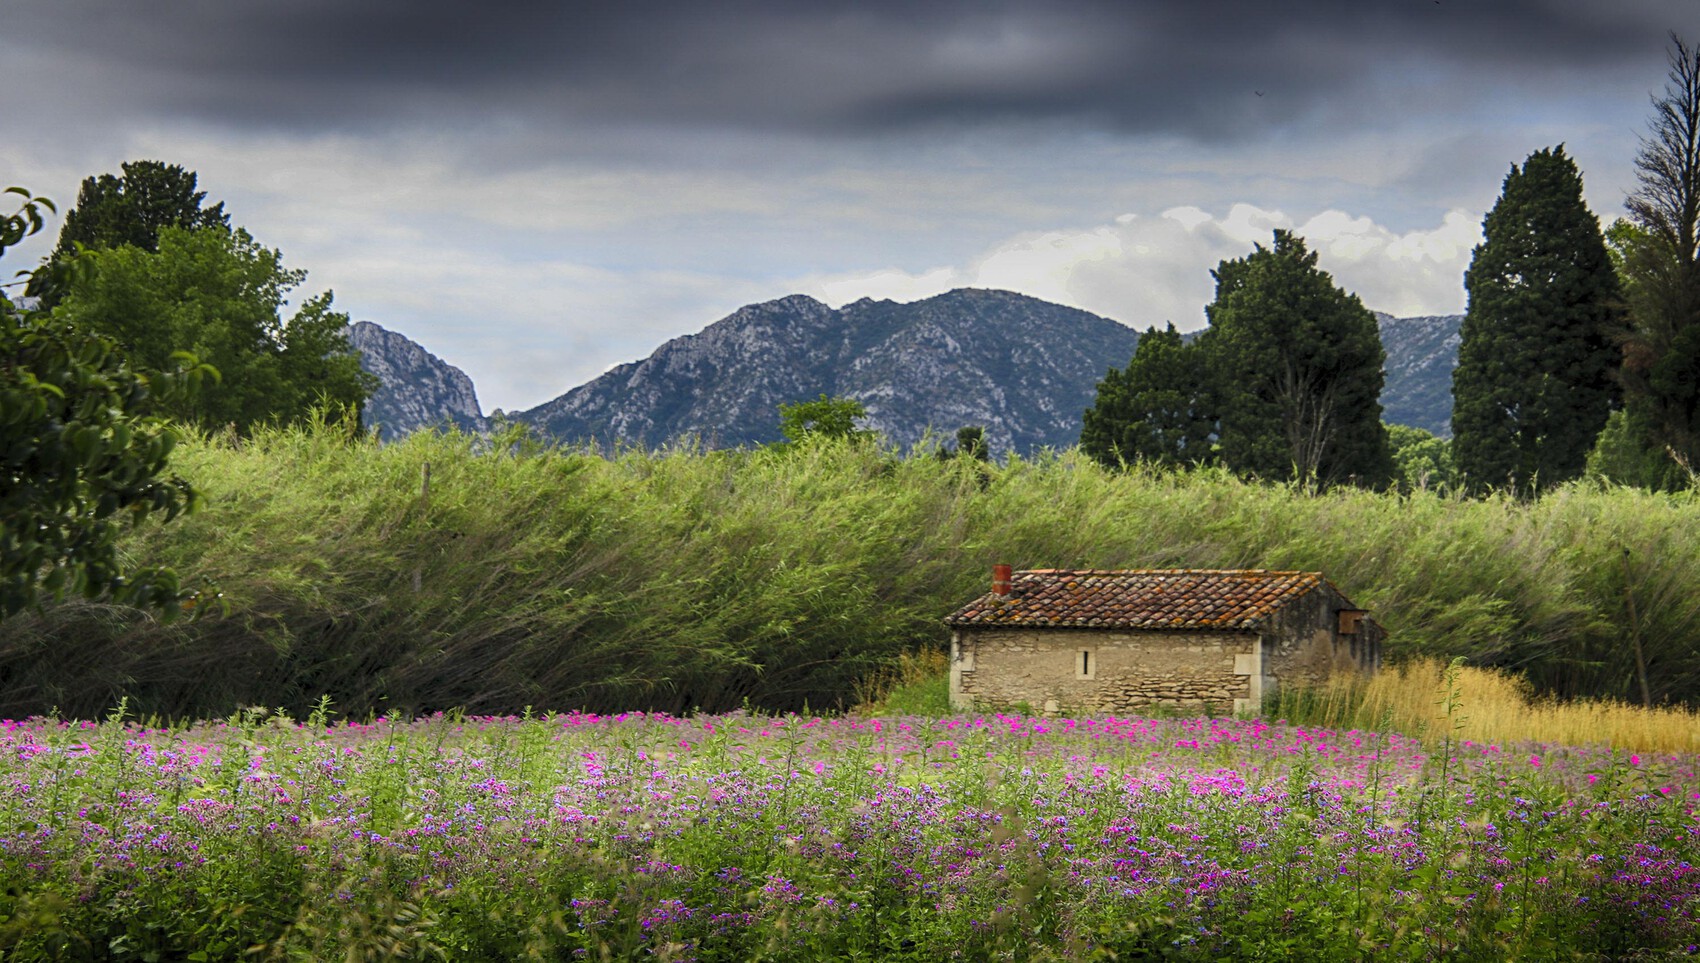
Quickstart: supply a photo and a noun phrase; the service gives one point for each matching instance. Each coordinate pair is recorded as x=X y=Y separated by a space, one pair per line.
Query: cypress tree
x=134 y=207
x=130 y=209
x=1297 y=365
x=1535 y=376
x=1155 y=410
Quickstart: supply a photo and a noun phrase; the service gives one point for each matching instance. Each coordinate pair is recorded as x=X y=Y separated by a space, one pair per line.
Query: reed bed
x=448 y=571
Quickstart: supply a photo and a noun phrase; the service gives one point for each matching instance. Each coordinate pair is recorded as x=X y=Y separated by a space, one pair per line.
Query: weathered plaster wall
x=1302 y=645
x=1121 y=670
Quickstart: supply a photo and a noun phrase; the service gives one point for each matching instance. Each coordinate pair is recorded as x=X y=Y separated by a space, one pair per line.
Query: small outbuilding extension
x=1101 y=641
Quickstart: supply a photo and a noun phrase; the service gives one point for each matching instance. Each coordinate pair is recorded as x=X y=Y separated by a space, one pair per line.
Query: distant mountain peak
x=416 y=389
x=1022 y=368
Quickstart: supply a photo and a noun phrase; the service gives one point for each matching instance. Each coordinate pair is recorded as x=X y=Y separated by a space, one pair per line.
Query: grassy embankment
x=777 y=579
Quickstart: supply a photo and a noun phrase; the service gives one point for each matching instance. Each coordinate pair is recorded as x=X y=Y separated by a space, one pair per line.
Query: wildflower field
x=748 y=837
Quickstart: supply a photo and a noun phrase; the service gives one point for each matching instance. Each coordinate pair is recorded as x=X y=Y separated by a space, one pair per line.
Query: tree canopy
x=1155 y=410
x=1535 y=375
x=1423 y=461
x=219 y=294
x=128 y=209
x=824 y=417
x=77 y=455
x=1296 y=366
x=135 y=206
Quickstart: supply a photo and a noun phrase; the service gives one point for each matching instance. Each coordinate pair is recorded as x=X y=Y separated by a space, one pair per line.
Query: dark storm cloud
x=1208 y=70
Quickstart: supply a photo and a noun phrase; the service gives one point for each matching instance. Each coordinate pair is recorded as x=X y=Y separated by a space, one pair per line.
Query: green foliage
x=704 y=579
x=24 y=221
x=128 y=209
x=1640 y=444
x=1660 y=263
x=921 y=697
x=919 y=686
x=1423 y=461
x=1296 y=363
x=823 y=418
x=77 y=458
x=1535 y=375
x=1156 y=410
x=1624 y=454
x=971 y=443
x=218 y=294
x=134 y=207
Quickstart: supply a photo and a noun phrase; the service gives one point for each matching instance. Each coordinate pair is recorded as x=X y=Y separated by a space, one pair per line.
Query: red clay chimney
x=1000 y=580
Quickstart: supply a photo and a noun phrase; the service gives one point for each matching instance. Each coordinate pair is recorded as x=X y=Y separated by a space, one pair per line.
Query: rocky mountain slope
x=417 y=389
x=1024 y=369
x=1421 y=353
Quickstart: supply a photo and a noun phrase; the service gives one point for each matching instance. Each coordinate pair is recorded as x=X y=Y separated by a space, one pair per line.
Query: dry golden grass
x=1486 y=705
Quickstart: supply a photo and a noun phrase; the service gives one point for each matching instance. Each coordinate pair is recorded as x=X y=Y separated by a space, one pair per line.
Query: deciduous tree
x=1659 y=259
x=1423 y=461
x=824 y=417
x=220 y=295
x=77 y=456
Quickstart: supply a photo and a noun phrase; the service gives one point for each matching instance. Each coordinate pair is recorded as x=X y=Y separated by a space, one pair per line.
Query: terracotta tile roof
x=1142 y=598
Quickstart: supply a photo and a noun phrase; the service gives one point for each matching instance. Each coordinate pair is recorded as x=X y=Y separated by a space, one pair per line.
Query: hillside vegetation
x=693 y=579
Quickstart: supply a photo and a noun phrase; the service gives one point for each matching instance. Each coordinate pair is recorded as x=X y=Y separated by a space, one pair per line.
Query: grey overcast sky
x=538 y=190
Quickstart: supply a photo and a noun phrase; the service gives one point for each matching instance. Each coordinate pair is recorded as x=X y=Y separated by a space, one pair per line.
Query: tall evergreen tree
x=1155 y=410
x=133 y=207
x=1297 y=365
x=1659 y=256
x=1535 y=376
x=129 y=209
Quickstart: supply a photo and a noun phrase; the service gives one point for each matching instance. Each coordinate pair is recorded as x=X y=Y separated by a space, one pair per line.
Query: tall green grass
x=712 y=579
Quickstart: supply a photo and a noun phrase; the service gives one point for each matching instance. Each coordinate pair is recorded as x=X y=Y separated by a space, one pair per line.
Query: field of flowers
x=747 y=837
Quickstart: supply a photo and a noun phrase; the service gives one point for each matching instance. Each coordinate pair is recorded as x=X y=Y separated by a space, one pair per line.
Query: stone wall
x=1122 y=670
x=1104 y=671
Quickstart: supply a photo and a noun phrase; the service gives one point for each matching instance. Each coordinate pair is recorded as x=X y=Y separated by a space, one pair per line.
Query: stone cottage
x=1060 y=640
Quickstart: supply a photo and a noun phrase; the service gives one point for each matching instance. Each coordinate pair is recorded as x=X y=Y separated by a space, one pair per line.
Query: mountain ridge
x=1022 y=368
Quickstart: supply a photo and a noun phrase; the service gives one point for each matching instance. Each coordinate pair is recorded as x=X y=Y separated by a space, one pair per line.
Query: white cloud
x=892 y=284
x=1045 y=265
x=1188 y=217
x=1250 y=225
x=1146 y=271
